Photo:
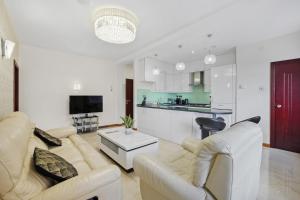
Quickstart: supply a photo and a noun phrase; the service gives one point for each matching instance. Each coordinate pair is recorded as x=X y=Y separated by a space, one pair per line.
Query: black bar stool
x=255 y=120
x=210 y=125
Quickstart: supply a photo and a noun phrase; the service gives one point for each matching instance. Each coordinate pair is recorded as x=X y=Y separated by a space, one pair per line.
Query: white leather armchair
x=20 y=181
x=225 y=166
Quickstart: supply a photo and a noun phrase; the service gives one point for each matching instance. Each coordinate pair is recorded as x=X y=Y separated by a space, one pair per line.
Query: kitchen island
x=175 y=122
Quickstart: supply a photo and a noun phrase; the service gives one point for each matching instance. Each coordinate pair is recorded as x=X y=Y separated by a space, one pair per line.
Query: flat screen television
x=85 y=104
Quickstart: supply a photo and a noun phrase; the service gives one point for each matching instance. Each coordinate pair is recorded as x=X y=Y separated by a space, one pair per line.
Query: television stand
x=86 y=123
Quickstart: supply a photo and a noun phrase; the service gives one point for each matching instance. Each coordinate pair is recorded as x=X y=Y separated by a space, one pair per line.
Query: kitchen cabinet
x=172 y=125
x=160 y=82
x=155 y=122
x=167 y=80
x=146 y=67
x=178 y=82
x=223 y=87
x=207 y=80
x=184 y=82
x=181 y=126
x=150 y=65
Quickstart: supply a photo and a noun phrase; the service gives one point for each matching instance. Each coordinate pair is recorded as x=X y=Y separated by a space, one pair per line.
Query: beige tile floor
x=280 y=173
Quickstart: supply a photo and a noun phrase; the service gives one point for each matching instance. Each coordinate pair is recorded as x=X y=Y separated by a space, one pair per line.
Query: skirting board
x=266 y=145
x=114 y=125
x=111 y=126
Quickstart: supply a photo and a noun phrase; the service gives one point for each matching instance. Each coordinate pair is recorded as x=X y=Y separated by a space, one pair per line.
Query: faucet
x=144 y=100
x=158 y=101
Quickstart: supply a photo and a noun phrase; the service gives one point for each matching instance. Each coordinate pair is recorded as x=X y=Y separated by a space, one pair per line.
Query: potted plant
x=128 y=123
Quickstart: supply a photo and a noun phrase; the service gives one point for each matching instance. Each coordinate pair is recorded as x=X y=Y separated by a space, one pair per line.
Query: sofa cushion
x=45 y=137
x=91 y=156
x=178 y=160
x=53 y=166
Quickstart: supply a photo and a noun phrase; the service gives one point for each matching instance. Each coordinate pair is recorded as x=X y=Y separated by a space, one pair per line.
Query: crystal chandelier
x=180 y=66
x=115 y=25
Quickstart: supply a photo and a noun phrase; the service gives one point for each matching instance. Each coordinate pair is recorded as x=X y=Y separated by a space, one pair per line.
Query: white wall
x=6 y=66
x=253 y=75
x=46 y=81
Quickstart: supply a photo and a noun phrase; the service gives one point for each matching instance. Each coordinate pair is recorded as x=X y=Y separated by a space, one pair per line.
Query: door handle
x=278 y=106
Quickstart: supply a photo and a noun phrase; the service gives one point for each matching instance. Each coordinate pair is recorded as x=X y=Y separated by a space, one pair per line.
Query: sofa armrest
x=62 y=132
x=81 y=186
x=164 y=181
x=191 y=144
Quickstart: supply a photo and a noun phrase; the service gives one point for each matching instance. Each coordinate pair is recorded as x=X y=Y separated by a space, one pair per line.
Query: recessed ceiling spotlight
x=180 y=46
x=193 y=52
x=155 y=55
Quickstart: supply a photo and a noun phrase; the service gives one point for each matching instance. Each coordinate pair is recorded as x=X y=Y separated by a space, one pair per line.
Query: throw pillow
x=52 y=165
x=45 y=137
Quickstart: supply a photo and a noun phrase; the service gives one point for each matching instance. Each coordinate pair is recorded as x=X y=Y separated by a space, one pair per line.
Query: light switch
x=241 y=87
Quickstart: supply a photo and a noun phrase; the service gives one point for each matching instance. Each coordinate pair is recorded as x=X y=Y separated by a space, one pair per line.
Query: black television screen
x=85 y=104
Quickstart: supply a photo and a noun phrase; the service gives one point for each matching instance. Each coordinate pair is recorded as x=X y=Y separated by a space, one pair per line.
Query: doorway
x=129 y=97
x=16 y=86
x=285 y=105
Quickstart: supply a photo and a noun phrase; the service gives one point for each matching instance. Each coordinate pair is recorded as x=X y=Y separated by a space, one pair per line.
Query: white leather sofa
x=20 y=181
x=224 y=166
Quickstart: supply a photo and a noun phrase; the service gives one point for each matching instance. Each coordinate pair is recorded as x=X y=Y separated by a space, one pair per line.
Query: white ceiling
x=66 y=25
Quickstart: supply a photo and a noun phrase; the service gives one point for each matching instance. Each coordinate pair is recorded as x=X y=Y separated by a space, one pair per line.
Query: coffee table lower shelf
x=125 y=157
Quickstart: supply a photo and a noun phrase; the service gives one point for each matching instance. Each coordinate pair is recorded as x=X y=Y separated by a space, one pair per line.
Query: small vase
x=128 y=131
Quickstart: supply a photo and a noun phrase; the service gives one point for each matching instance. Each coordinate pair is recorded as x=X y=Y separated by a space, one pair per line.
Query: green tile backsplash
x=196 y=96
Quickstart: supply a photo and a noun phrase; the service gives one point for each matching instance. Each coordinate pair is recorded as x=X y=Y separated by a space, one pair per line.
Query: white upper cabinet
x=150 y=65
x=178 y=82
x=160 y=82
x=223 y=86
x=207 y=80
x=167 y=80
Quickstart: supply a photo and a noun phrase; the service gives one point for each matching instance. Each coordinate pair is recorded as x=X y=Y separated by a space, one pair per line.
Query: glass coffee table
x=122 y=148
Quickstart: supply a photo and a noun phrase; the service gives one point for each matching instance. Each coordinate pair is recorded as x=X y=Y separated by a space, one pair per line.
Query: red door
x=129 y=97
x=16 y=86
x=285 y=105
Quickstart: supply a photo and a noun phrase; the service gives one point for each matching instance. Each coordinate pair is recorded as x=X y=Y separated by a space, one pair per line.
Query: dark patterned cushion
x=52 y=165
x=48 y=139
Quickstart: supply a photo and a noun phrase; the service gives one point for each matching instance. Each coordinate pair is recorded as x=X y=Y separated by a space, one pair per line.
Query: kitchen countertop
x=188 y=109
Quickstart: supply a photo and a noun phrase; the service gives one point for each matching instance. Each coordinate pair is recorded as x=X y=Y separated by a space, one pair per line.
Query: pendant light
x=156 y=71
x=180 y=66
x=210 y=58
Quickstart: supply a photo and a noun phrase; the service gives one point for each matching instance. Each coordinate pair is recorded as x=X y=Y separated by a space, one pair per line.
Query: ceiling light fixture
x=115 y=25
x=180 y=66
x=210 y=58
x=156 y=71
